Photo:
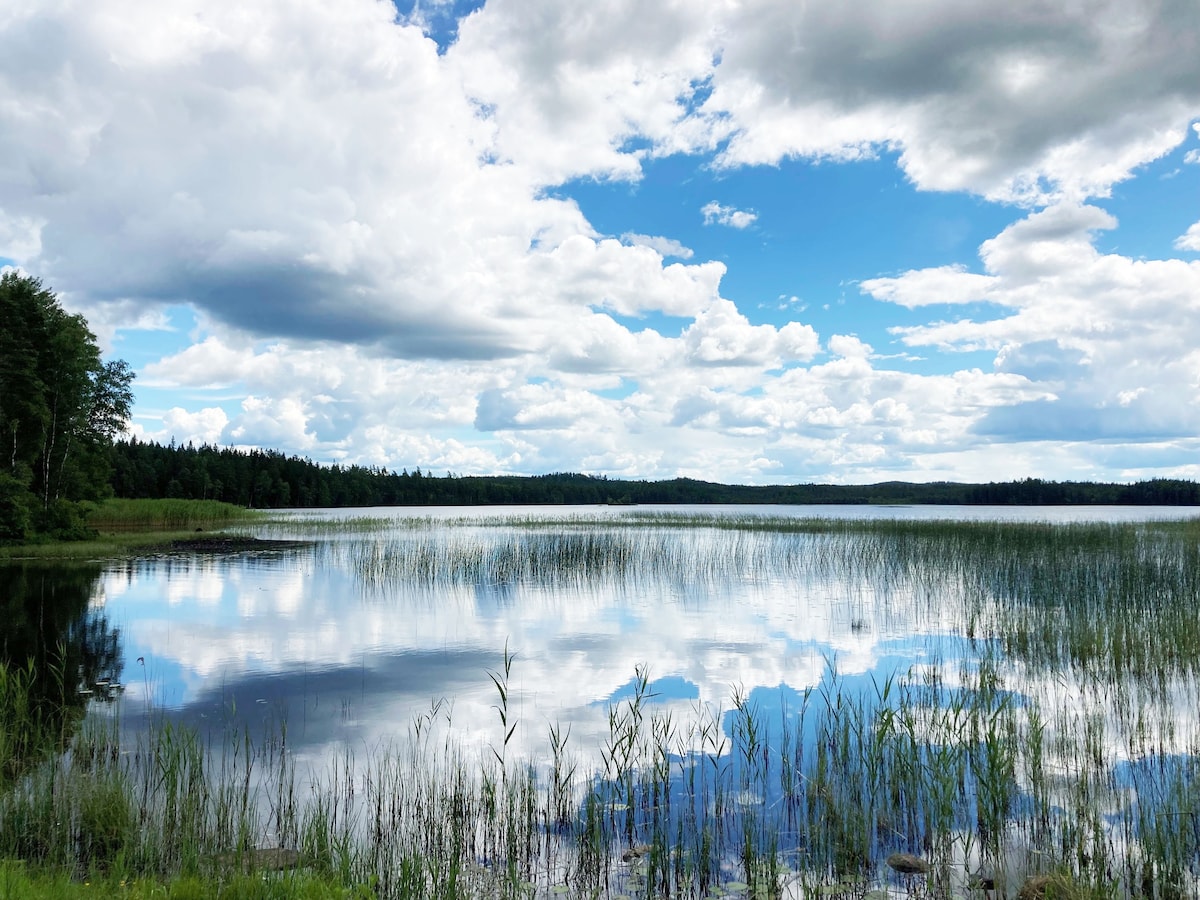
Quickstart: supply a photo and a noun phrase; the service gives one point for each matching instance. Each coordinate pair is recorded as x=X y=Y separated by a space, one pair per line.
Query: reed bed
x=117 y=515
x=1060 y=739
x=949 y=765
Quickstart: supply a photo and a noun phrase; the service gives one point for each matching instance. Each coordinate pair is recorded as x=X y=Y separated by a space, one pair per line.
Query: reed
x=680 y=807
x=117 y=515
x=1061 y=742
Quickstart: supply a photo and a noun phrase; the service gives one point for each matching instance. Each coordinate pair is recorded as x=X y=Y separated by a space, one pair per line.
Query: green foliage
x=60 y=408
x=268 y=479
x=15 y=504
x=56 y=653
x=17 y=882
x=166 y=515
x=64 y=520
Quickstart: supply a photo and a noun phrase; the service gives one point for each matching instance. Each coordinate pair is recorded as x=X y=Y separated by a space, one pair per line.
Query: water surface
x=348 y=648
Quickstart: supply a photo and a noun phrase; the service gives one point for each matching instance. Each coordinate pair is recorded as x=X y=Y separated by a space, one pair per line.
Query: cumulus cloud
x=662 y=245
x=1017 y=102
x=716 y=214
x=943 y=284
x=1190 y=240
x=1124 y=330
x=204 y=426
x=723 y=336
x=849 y=346
x=312 y=172
x=377 y=234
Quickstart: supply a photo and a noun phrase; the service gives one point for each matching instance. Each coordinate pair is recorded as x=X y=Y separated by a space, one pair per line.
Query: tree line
x=269 y=479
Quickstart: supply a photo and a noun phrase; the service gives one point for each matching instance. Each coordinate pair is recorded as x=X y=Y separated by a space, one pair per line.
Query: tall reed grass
x=117 y=515
x=948 y=764
x=1064 y=745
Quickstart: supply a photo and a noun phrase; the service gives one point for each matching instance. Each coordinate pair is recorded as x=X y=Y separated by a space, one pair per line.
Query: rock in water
x=907 y=864
x=983 y=879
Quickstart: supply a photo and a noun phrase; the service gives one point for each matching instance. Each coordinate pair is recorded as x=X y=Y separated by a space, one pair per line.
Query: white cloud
x=20 y=236
x=723 y=336
x=204 y=426
x=1190 y=240
x=1114 y=338
x=849 y=346
x=271 y=422
x=380 y=246
x=716 y=214
x=944 y=284
x=1013 y=101
x=664 y=246
x=1016 y=102
x=568 y=88
x=582 y=273
x=313 y=172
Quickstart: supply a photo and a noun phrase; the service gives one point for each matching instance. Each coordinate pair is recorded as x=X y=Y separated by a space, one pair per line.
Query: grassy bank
x=131 y=527
x=18 y=882
x=168 y=515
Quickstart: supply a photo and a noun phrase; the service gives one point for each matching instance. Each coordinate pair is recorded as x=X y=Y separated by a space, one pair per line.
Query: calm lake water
x=347 y=644
x=1002 y=687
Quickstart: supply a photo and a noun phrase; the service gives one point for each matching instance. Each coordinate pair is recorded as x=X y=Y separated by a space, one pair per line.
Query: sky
x=752 y=241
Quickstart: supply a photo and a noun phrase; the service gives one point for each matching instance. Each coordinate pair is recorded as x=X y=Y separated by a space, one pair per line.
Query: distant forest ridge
x=269 y=479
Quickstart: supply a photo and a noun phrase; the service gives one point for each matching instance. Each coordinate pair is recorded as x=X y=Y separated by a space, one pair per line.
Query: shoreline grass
x=117 y=515
x=125 y=528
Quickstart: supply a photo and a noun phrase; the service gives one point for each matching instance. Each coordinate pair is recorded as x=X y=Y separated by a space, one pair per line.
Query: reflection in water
x=971 y=689
x=62 y=642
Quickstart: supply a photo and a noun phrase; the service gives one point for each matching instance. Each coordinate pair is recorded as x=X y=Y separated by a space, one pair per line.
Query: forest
x=269 y=479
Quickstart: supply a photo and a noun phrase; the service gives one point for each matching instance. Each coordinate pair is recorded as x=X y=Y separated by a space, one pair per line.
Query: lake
x=982 y=685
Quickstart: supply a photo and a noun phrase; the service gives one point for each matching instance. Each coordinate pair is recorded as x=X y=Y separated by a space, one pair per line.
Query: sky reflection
x=349 y=657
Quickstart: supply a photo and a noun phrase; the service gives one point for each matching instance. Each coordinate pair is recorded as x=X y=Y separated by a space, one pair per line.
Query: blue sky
x=757 y=242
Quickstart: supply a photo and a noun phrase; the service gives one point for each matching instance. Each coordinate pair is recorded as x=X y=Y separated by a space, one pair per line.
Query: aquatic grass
x=680 y=807
x=1127 y=590
x=1063 y=746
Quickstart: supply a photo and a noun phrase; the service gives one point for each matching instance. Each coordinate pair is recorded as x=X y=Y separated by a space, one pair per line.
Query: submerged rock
x=266 y=859
x=984 y=879
x=636 y=852
x=907 y=864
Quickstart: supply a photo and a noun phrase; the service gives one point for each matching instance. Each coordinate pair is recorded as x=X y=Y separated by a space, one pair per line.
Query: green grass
x=110 y=546
x=18 y=882
x=678 y=807
x=134 y=527
x=169 y=515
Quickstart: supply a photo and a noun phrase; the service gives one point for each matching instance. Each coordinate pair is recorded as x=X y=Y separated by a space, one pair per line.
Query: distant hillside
x=269 y=479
